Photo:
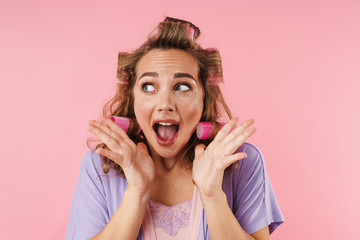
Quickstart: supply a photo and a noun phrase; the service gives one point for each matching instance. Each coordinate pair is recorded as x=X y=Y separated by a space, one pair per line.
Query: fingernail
x=92 y=122
x=141 y=149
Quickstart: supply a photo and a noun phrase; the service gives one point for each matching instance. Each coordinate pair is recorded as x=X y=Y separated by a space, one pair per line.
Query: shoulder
x=92 y=178
x=250 y=168
x=92 y=168
x=91 y=163
x=254 y=159
x=253 y=198
x=250 y=149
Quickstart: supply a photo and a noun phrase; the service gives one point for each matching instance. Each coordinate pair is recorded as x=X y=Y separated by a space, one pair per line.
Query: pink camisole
x=181 y=221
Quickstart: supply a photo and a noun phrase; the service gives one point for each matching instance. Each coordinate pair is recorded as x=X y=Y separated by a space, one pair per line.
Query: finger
x=238 y=131
x=199 y=150
x=118 y=134
x=224 y=131
x=102 y=126
x=121 y=133
x=232 y=159
x=143 y=149
x=237 y=142
x=105 y=138
x=111 y=128
x=111 y=155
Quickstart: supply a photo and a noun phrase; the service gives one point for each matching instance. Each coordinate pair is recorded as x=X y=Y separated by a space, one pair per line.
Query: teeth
x=165 y=124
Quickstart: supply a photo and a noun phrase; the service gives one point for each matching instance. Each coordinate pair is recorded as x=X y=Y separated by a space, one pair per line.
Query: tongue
x=166 y=132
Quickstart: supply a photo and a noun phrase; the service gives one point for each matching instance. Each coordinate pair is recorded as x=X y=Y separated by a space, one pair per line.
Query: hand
x=134 y=159
x=210 y=163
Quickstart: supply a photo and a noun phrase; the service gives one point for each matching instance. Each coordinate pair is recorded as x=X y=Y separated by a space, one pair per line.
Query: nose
x=166 y=102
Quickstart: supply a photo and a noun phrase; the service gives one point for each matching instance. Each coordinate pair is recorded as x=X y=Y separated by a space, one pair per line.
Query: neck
x=167 y=165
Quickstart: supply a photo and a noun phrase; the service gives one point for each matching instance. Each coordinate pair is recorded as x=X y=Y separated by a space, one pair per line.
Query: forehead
x=169 y=60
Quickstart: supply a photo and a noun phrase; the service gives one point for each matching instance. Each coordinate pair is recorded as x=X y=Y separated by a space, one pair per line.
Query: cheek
x=193 y=108
x=141 y=109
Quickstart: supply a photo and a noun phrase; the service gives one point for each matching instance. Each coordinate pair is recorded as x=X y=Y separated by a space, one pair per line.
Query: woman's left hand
x=210 y=163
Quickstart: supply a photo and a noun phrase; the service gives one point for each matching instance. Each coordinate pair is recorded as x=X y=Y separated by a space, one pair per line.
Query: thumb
x=199 y=150
x=143 y=149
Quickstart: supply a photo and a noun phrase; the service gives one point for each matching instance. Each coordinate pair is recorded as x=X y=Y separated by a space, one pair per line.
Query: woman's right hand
x=134 y=159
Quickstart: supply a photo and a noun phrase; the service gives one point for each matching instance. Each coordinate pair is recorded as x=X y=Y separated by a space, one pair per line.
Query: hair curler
x=208 y=130
x=129 y=125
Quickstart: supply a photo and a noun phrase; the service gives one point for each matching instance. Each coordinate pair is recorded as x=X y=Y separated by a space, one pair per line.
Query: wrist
x=213 y=199
x=137 y=196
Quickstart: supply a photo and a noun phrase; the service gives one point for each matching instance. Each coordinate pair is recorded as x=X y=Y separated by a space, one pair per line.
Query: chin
x=166 y=153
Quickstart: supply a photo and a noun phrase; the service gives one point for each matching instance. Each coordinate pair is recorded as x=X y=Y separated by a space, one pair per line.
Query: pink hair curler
x=123 y=82
x=129 y=125
x=191 y=32
x=211 y=49
x=208 y=130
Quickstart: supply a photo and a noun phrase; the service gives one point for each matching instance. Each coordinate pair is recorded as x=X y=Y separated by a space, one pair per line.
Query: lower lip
x=165 y=143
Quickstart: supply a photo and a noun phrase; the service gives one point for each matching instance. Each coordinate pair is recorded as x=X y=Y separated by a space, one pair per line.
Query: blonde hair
x=172 y=33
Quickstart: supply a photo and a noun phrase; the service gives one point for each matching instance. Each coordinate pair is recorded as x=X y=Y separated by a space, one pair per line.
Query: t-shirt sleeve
x=255 y=204
x=89 y=213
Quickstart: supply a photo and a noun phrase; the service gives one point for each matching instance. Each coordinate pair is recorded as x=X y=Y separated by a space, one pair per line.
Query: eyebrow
x=150 y=74
x=180 y=75
x=176 y=75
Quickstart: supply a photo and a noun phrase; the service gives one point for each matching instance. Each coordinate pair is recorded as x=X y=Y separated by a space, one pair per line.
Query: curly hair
x=171 y=33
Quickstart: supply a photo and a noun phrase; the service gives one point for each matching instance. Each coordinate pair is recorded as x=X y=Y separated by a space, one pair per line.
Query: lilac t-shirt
x=248 y=189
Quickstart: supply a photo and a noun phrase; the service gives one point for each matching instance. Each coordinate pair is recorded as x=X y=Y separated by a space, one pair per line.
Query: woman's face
x=168 y=99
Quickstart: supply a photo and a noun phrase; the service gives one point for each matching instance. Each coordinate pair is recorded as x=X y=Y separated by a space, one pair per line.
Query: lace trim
x=171 y=219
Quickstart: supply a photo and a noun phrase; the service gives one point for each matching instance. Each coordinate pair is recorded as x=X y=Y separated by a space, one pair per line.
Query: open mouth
x=166 y=133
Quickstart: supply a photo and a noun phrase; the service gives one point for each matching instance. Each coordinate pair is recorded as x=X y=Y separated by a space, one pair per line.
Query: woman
x=165 y=183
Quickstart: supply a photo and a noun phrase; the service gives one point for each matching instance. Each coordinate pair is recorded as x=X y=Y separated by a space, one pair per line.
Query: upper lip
x=166 y=121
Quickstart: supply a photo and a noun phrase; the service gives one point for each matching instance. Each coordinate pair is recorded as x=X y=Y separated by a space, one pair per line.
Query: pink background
x=293 y=66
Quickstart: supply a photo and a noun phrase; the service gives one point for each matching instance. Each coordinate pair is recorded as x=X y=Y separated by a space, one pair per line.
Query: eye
x=183 y=87
x=147 y=87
